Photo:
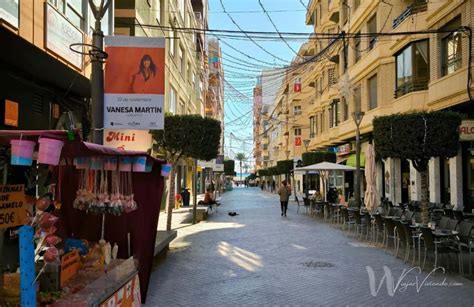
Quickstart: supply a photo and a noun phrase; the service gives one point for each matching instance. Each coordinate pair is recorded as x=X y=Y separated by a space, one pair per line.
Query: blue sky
x=288 y=16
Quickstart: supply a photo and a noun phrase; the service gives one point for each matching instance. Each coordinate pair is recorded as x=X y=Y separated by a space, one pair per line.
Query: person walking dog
x=284 y=193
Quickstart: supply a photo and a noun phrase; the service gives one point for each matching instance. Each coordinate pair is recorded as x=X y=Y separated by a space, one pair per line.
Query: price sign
x=12 y=206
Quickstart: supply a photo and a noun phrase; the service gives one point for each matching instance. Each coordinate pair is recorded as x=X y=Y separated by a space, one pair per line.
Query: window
x=313 y=126
x=297 y=110
x=297 y=131
x=357 y=99
x=372 y=92
x=182 y=108
x=323 y=121
x=357 y=47
x=158 y=10
x=345 y=109
x=181 y=8
x=172 y=38
x=173 y=100
x=412 y=68
x=334 y=114
x=332 y=78
x=451 y=48
x=73 y=9
x=182 y=62
x=372 y=28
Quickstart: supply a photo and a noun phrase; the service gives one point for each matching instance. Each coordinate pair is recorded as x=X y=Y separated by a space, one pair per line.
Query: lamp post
x=306 y=143
x=357 y=117
x=98 y=8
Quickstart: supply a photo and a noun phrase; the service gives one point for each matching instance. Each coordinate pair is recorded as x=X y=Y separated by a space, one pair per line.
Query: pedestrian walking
x=284 y=193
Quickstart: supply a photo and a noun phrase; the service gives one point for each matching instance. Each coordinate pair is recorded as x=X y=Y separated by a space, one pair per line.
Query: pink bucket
x=139 y=164
x=22 y=152
x=49 y=151
x=81 y=162
x=96 y=163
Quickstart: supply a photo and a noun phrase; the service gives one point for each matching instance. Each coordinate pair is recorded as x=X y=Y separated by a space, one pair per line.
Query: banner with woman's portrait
x=134 y=83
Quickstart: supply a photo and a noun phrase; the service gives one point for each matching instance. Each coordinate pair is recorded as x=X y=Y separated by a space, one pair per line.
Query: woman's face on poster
x=146 y=63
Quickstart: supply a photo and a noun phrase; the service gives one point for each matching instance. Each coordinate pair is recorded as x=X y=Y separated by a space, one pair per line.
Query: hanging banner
x=297 y=85
x=297 y=141
x=134 y=83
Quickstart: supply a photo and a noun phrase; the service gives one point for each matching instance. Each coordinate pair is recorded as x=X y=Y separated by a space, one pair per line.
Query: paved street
x=260 y=258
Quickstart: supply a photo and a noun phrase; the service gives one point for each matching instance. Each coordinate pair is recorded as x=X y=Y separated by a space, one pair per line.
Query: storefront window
x=445 y=181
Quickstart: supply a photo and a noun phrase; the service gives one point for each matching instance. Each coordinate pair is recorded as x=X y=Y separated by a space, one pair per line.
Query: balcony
x=266 y=158
x=413 y=86
x=417 y=7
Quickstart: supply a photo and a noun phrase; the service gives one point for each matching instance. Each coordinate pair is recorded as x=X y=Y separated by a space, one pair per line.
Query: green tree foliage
x=229 y=167
x=186 y=136
x=418 y=137
x=251 y=177
x=314 y=157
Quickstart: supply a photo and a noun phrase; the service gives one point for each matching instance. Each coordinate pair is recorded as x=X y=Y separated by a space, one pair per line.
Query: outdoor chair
x=452 y=224
x=448 y=213
x=379 y=229
x=409 y=215
x=443 y=223
x=438 y=248
x=305 y=205
x=346 y=219
x=400 y=236
x=418 y=218
x=466 y=241
x=389 y=232
x=335 y=215
x=360 y=224
x=411 y=242
x=458 y=215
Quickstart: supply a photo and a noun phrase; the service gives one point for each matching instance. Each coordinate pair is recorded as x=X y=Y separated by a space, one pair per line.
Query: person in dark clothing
x=284 y=193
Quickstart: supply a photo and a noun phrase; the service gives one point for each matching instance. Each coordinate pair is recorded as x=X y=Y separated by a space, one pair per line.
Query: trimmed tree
x=418 y=137
x=186 y=136
x=285 y=167
x=314 y=157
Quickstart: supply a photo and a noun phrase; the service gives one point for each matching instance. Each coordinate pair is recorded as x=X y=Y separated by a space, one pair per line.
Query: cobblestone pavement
x=260 y=258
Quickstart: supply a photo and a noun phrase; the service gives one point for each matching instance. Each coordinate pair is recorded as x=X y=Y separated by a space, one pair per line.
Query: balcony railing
x=408 y=87
x=417 y=7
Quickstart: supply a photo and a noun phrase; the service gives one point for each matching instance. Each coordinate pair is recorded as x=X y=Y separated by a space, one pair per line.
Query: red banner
x=297 y=141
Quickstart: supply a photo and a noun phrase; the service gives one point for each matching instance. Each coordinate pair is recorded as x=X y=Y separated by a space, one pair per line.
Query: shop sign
x=466 y=130
x=344 y=149
x=128 y=295
x=11 y=113
x=9 y=11
x=219 y=167
x=60 y=33
x=12 y=206
x=134 y=83
x=139 y=140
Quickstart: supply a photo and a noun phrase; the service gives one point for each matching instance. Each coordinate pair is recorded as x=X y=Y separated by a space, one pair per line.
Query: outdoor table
x=445 y=233
x=468 y=215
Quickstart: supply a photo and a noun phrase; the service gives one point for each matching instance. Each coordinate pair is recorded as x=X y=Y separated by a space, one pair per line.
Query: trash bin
x=185 y=196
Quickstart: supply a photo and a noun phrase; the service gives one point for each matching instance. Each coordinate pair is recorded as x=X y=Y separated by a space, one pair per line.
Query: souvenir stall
x=85 y=217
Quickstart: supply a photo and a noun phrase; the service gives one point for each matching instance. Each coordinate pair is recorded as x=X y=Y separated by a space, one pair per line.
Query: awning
x=18 y=54
x=351 y=161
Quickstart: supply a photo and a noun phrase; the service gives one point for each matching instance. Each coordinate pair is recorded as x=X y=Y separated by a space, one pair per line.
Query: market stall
x=93 y=215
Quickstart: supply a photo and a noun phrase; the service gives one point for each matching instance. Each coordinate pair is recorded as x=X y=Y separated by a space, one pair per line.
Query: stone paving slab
x=259 y=258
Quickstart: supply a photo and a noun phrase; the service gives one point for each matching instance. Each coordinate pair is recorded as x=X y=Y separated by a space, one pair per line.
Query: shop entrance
x=405 y=181
x=468 y=175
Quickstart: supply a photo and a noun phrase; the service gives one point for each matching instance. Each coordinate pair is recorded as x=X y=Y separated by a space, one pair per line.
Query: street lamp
x=357 y=117
x=306 y=143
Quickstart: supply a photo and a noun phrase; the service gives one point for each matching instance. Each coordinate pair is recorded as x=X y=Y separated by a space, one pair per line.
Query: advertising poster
x=9 y=11
x=134 y=83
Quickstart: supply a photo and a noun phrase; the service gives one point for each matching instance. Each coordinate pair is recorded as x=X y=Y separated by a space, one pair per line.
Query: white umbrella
x=324 y=168
x=372 y=197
